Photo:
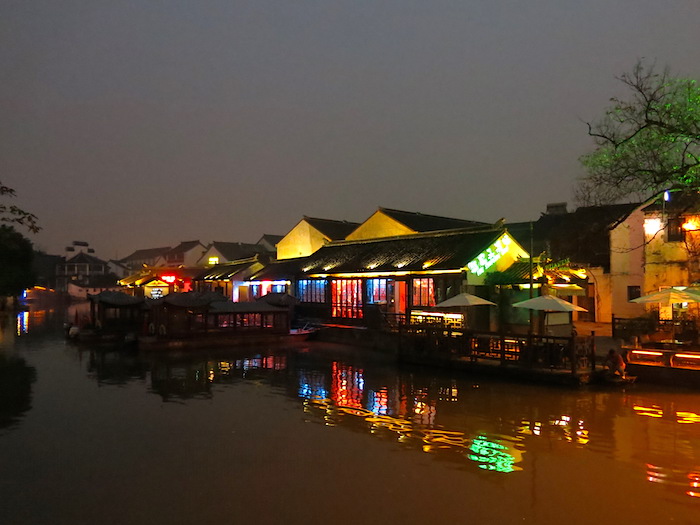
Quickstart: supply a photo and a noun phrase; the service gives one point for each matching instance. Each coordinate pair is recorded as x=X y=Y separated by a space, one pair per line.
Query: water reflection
x=474 y=424
x=499 y=430
x=16 y=380
x=113 y=367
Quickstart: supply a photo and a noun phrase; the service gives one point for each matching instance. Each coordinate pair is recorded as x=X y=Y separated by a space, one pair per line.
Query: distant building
x=85 y=271
x=93 y=286
x=222 y=252
x=270 y=241
x=186 y=254
x=118 y=268
x=144 y=257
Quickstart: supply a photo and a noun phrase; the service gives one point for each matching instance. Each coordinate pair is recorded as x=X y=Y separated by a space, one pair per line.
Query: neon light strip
x=646 y=352
x=380 y=274
x=688 y=356
x=435 y=314
x=249 y=283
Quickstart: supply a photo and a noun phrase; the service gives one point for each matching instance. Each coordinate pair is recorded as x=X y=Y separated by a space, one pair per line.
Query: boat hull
x=155 y=343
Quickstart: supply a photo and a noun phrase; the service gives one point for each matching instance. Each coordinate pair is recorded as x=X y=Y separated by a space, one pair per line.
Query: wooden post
x=593 y=352
x=573 y=355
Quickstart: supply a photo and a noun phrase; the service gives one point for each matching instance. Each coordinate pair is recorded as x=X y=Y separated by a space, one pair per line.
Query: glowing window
x=346 y=298
x=312 y=290
x=423 y=292
x=377 y=290
x=213 y=260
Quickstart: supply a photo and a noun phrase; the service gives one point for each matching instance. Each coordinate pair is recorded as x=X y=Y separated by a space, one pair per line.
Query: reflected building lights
x=491 y=455
x=380 y=402
x=22 y=323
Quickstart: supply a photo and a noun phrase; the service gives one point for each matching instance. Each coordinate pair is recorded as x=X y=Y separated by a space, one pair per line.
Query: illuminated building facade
x=309 y=234
x=672 y=245
x=605 y=241
x=155 y=283
x=386 y=222
x=357 y=282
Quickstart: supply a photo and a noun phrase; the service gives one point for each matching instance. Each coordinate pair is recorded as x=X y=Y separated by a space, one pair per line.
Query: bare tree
x=646 y=143
x=15 y=215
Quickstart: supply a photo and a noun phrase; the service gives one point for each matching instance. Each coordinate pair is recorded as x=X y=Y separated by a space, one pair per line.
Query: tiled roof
x=420 y=222
x=334 y=230
x=224 y=271
x=188 y=299
x=237 y=250
x=84 y=258
x=113 y=298
x=271 y=239
x=582 y=236
x=211 y=301
x=280 y=269
x=246 y=307
x=679 y=202
x=185 y=247
x=147 y=253
x=434 y=251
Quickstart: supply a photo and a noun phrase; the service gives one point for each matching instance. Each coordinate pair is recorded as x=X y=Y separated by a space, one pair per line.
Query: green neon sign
x=490 y=255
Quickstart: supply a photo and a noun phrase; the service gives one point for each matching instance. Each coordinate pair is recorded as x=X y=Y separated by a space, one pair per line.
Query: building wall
x=666 y=263
x=302 y=240
x=76 y=291
x=193 y=256
x=626 y=268
x=212 y=251
x=603 y=285
x=188 y=259
x=377 y=226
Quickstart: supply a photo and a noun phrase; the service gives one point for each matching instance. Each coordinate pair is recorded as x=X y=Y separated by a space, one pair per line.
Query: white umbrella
x=463 y=299
x=669 y=296
x=549 y=303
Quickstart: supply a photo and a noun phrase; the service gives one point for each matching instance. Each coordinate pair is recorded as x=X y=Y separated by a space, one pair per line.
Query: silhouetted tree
x=16 y=255
x=15 y=215
x=646 y=143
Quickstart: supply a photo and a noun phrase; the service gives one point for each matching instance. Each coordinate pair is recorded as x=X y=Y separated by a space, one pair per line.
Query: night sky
x=143 y=123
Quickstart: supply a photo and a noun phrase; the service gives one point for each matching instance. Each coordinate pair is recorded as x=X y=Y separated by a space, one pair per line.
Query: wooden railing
x=574 y=354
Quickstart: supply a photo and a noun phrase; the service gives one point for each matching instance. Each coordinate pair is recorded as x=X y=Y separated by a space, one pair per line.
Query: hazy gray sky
x=142 y=123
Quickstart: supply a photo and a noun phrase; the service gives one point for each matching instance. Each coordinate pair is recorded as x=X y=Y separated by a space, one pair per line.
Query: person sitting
x=615 y=363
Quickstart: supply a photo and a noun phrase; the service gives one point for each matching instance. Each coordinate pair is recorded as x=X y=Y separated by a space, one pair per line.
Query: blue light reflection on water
x=646 y=440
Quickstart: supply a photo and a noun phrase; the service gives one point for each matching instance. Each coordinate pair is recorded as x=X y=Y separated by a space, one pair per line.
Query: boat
x=666 y=363
x=217 y=340
x=185 y=320
x=604 y=377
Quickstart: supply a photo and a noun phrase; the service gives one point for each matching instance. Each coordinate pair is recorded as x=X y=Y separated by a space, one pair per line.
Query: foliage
x=15 y=215
x=16 y=255
x=647 y=143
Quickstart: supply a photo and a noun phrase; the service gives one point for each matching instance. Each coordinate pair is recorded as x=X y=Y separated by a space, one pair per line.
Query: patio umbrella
x=669 y=296
x=550 y=303
x=463 y=299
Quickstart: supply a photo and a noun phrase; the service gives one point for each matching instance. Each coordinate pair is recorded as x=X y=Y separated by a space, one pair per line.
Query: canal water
x=322 y=433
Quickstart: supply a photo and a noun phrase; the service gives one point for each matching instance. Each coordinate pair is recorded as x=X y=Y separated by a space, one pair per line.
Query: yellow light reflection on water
x=648 y=411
